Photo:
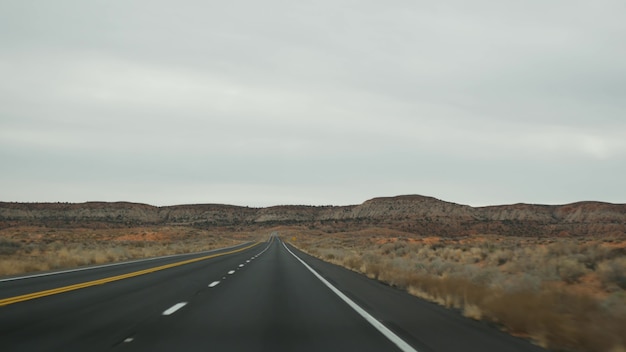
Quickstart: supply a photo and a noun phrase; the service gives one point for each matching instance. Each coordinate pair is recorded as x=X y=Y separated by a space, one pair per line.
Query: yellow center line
x=54 y=291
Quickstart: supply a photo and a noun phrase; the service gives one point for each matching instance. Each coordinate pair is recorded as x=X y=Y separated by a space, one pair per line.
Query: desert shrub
x=612 y=272
x=522 y=282
x=482 y=276
x=500 y=257
x=592 y=254
x=401 y=263
x=398 y=248
x=562 y=248
x=473 y=255
x=440 y=267
x=8 y=247
x=570 y=270
x=615 y=304
x=335 y=255
x=353 y=262
x=117 y=253
x=425 y=252
x=371 y=266
x=450 y=254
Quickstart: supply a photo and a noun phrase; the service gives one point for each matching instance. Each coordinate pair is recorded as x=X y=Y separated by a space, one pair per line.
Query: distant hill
x=411 y=213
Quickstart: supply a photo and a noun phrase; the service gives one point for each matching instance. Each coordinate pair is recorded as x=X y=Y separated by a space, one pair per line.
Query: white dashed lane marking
x=178 y=306
x=174 y=308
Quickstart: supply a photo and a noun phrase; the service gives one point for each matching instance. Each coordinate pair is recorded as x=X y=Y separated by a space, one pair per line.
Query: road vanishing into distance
x=254 y=297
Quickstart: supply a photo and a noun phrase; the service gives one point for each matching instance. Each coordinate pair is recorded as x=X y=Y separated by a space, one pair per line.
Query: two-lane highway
x=261 y=298
x=274 y=305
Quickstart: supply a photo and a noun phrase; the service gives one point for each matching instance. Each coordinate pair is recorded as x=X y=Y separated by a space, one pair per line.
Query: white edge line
x=174 y=308
x=405 y=347
x=115 y=264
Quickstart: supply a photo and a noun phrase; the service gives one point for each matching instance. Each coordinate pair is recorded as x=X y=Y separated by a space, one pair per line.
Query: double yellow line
x=54 y=291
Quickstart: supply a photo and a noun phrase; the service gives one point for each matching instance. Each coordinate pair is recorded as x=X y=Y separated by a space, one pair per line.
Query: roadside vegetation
x=565 y=294
x=34 y=249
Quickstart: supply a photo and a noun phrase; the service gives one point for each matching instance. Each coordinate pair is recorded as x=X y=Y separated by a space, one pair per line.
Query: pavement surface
x=254 y=297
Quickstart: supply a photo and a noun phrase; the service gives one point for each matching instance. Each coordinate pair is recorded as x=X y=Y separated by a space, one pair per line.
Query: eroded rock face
x=414 y=213
x=411 y=206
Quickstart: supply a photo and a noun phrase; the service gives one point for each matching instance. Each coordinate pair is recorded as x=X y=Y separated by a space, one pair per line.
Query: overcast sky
x=262 y=103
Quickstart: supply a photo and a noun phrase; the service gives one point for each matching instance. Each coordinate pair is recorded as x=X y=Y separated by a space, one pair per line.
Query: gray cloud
x=260 y=103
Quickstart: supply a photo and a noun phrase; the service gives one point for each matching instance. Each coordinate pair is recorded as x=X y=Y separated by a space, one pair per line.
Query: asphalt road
x=260 y=298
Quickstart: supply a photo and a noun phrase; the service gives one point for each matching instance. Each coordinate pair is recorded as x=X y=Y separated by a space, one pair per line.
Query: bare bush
x=570 y=270
x=8 y=247
x=353 y=262
x=612 y=272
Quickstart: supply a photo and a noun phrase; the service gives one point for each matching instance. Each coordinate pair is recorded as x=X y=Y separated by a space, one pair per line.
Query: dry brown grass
x=563 y=293
x=32 y=249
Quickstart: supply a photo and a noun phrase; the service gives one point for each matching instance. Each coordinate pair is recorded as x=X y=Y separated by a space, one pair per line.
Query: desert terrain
x=555 y=274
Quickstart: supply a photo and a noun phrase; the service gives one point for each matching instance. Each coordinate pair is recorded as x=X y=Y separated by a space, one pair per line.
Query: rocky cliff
x=414 y=213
